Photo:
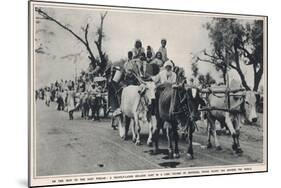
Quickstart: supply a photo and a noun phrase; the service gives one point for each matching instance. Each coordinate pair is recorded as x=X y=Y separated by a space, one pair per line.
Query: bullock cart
x=102 y=96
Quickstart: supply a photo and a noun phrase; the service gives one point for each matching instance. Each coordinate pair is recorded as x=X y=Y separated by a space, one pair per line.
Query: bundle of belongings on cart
x=139 y=67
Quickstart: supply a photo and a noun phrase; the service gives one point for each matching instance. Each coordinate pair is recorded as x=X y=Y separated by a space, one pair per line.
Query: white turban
x=168 y=63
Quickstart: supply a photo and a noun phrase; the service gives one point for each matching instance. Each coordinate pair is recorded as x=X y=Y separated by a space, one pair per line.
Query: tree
x=103 y=56
x=100 y=63
x=194 y=68
x=233 y=43
x=206 y=80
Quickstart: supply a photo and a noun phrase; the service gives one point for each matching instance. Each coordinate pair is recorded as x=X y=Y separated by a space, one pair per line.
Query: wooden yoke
x=221 y=91
x=228 y=93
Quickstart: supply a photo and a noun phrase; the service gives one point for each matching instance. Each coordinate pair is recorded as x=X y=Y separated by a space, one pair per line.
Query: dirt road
x=84 y=146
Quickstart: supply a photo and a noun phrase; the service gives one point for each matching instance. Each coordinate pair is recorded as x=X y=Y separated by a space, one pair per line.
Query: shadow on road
x=170 y=164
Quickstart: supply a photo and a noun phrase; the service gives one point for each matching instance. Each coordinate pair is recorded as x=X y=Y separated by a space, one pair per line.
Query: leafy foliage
x=206 y=80
x=235 y=42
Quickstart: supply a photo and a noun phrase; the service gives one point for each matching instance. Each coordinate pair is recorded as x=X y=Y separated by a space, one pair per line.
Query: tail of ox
x=244 y=106
x=135 y=104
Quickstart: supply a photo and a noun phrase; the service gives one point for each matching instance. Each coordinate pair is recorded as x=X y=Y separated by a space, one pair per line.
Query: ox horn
x=256 y=92
x=138 y=78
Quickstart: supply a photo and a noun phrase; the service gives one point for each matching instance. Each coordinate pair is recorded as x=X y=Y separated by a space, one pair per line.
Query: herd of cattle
x=165 y=108
x=169 y=107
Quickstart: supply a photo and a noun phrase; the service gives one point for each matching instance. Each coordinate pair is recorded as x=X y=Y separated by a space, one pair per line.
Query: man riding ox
x=242 y=105
x=175 y=105
x=167 y=75
x=135 y=104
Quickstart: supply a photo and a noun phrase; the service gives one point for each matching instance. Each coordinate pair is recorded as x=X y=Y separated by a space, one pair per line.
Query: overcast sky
x=184 y=33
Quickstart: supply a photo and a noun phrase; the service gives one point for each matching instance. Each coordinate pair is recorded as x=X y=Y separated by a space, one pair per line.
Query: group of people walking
x=83 y=94
x=71 y=95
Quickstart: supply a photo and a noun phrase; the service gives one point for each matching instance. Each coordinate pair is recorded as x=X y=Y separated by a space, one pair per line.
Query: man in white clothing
x=167 y=75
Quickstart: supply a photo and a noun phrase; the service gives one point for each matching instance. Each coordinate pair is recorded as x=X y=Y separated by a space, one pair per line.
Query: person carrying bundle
x=158 y=60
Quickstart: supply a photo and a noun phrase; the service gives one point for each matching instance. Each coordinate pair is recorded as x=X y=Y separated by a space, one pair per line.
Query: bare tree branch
x=212 y=56
x=232 y=66
x=86 y=43
x=246 y=52
x=86 y=33
x=47 y=17
x=98 y=42
x=92 y=57
x=205 y=60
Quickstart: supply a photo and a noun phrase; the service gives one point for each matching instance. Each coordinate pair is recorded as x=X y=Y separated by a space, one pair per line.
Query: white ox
x=135 y=102
x=246 y=108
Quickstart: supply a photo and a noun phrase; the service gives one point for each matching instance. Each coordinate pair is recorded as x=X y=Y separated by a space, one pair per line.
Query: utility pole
x=227 y=83
x=75 y=70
